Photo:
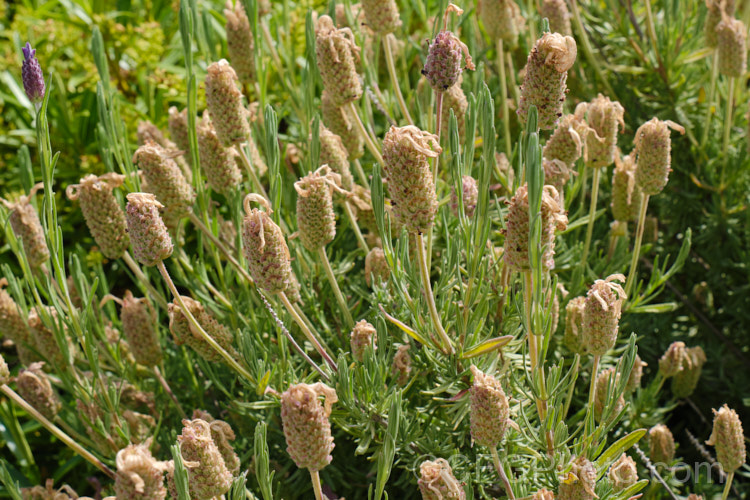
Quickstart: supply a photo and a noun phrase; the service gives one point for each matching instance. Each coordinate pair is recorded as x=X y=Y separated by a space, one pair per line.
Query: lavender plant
x=425 y=358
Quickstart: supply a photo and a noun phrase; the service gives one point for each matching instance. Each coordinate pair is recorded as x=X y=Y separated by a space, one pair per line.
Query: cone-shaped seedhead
x=316 y=219
x=636 y=374
x=574 y=337
x=517 y=228
x=626 y=195
x=661 y=444
x=4 y=371
x=165 y=178
x=401 y=366
x=717 y=10
x=103 y=214
x=580 y=482
x=546 y=73
x=363 y=335
x=376 y=267
x=558 y=15
x=34 y=387
x=381 y=16
x=222 y=434
x=470 y=196
x=565 y=143
x=337 y=56
x=217 y=161
x=603 y=381
x=502 y=19
x=731 y=38
x=671 y=362
x=240 y=44
x=653 y=147
x=224 y=102
x=208 y=476
x=623 y=473
x=406 y=153
x=306 y=425
x=686 y=380
x=601 y=314
x=31 y=74
x=442 y=68
x=437 y=482
x=26 y=226
x=342 y=123
x=728 y=439
x=149 y=235
x=334 y=154
x=139 y=475
x=183 y=333
x=265 y=249
x=604 y=119
x=489 y=409
x=138 y=326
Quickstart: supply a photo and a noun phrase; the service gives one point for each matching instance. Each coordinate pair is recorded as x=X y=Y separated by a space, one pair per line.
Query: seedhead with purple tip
x=31 y=73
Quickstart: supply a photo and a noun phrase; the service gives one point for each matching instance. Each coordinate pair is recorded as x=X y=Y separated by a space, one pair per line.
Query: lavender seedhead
x=32 y=76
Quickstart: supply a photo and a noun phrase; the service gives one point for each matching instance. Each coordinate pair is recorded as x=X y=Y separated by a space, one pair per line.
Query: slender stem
x=569 y=399
x=537 y=365
x=592 y=213
x=530 y=10
x=316 y=484
x=501 y=473
x=727 y=486
x=308 y=333
x=143 y=280
x=710 y=109
x=388 y=49
x=272 y=49
x=594 y=373
x=504 y=95
x=196 y=327
x=223 y=249
x=361 y=174
x=588 y=51
x=727 y=130
x=632 y=276
x=365 y=135
x=438 y=127
x=355 y=227
x=251 y=172
x=168 y=390
x=512 y=73
x=289 y=337
x=424 y=270
x=56 y=431
x=335 y=286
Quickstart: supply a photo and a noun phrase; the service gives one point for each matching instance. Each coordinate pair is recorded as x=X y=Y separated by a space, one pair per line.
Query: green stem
x=361 y=174
x=632 y=276
x=727 y=130
x=143 y=280
x=512 y=73
x=316 y=484
x=727 y=486
x=56 y=431
x=335 y=286
x=424 y=270
x=168 y=390
x=504 y=96
x=355 y=227
x=710 y=109
x=388 y=49
x=307 y=331
x=366 y=136
x=196 y=327
x=588 y=51
x=223 y=249
x=501 y=473
x=592 y=216
x=592 y=389
x=251 y=172
x=435 y=164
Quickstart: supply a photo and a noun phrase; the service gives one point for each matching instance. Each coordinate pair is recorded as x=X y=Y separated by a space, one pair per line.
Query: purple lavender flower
x=31 y=72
